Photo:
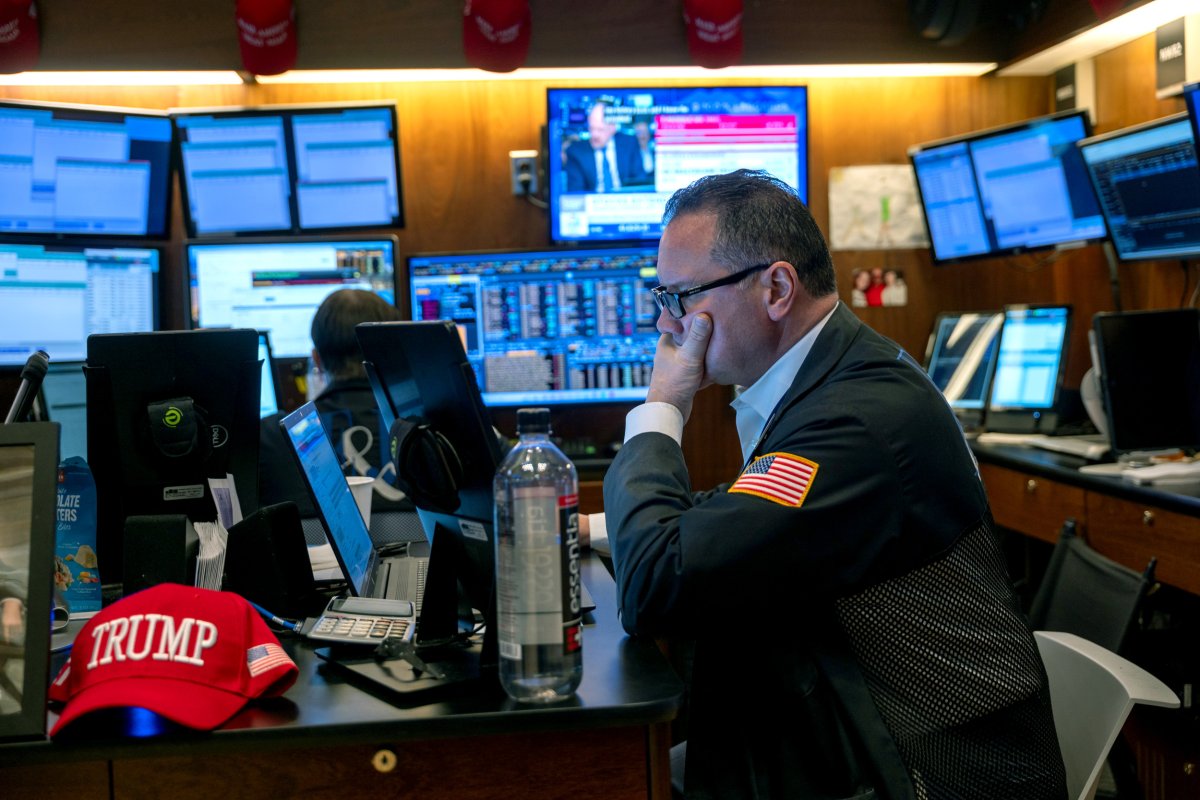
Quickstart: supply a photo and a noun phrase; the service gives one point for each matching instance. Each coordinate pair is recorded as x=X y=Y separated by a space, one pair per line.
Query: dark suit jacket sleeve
x=581 y=167
x=629 y=157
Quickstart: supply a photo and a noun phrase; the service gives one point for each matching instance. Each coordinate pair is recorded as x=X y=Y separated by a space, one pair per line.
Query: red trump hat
x=267 y=35
x=20 y=44
x=714 y=30
x=496 y=33
x=195 y=656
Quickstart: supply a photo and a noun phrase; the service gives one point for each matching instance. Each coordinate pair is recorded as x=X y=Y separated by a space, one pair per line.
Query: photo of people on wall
x=878 y=287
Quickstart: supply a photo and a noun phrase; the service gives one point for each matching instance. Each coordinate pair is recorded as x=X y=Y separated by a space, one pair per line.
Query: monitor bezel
x=988 y=133
x=1132 y=130
x=553 y=197
x=191 y=310
x=286 y=112
x=112 y=112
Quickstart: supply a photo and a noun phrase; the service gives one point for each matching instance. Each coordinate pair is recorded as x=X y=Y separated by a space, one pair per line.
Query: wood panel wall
x=455 y=136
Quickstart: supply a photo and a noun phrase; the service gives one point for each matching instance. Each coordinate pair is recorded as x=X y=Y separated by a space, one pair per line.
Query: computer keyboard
x=1092 y=447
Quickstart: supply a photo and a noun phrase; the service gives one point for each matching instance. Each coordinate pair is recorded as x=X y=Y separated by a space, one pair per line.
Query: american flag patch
x=263 y=657
x=779 y=477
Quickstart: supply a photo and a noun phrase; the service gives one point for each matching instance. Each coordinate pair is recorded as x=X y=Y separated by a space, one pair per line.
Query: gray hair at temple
x=760 y=219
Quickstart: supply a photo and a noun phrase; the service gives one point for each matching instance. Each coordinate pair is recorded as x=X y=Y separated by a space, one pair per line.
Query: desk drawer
x=1032 y=505
x=1131 y=533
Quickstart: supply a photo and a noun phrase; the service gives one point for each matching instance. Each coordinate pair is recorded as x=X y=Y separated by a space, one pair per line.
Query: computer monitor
x=289 y=168
x=276 y=285
x=1191 y=97
x=268 y=394
x=546 y=327
x=1150 y=377
x=1008 y=190
x=1030 y=364
x=53 y=296
x=1148 y=183
x=961 y=360
x=64 y=400
x=419 y=371
x=165 y=412
x=75 y=170
x=659 y=140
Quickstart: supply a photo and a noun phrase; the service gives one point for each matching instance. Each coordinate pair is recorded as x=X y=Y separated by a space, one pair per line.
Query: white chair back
x=1092 y=691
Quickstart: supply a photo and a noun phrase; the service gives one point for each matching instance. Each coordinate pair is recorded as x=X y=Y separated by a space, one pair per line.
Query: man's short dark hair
x=760 y=219
x=333 y=328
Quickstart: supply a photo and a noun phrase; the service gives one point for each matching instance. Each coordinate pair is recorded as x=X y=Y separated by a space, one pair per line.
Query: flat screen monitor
x=277 y=285
x=84 y=170
x=166 y=411
x=1148 y=183
x=1030 y=364
x=64 y=400
x=1150 y=377
x=1191 y=96
x=615 y=155
x=419 y=371
x=268 y=391
x=289 y=169
x=1008 y=190
x=961 y=360
x=53 y=296
x=547 y=327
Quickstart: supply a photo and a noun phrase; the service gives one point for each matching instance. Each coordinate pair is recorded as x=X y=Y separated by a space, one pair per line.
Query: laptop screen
x=1031 y=358
x=962 y=356
x=348 y=534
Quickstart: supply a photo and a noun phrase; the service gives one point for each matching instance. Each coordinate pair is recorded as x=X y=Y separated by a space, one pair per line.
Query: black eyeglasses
x=672 y=302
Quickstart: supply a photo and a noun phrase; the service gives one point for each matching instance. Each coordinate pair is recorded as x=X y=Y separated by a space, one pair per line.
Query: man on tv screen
x=607 y=160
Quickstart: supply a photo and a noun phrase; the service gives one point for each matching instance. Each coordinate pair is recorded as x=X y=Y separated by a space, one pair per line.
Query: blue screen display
x=547 y=326
x=86 y=171
x=1009 y=190
x=617 y=155
x=289 y=169
x=1033 y=346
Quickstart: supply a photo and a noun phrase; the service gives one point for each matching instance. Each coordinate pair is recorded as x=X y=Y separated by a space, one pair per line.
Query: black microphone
x=31 y=380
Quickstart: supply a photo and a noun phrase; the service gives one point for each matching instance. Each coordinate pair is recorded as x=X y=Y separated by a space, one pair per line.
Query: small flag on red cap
x=267 y=35
x=496 y=34
x=714 y=29
x=20 y=44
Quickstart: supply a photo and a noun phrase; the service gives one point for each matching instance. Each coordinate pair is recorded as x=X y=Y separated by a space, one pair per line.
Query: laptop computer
x=391 y=573
x=961 y=360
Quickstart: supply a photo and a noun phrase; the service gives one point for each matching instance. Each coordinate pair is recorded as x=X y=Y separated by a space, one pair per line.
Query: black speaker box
x=159 y=548
x=267 y=562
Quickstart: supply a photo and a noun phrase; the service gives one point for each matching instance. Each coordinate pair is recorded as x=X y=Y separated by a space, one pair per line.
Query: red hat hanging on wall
x=267 y=35
x=714 y=31
x=496 y=34
x=20 y=43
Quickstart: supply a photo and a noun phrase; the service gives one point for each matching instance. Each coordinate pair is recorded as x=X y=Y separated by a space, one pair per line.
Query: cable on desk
x=291 y=625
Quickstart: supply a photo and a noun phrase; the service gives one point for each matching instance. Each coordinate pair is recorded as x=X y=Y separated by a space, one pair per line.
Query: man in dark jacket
x=855 y=633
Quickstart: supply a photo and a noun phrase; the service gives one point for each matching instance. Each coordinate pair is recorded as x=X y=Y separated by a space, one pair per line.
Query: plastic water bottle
x=538 y=609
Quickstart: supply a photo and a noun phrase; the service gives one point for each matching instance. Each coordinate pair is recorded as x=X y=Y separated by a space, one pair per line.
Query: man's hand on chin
x=679 y=369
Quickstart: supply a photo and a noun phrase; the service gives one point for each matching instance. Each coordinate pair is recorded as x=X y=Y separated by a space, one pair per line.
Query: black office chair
x=1091 y=596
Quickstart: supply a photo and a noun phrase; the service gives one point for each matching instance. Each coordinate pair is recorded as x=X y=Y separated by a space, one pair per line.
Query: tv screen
x=286 y=169
x=277 y=285
x=1191 y=96
x=1029 y=368
x=616 y=155
x=545 y=327
x=84 y=170
x=1008 y=190
x=54 y=296
x=1148 y=183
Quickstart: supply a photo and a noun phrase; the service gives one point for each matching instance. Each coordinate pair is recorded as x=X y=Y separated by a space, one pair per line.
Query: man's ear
x=783 y=288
